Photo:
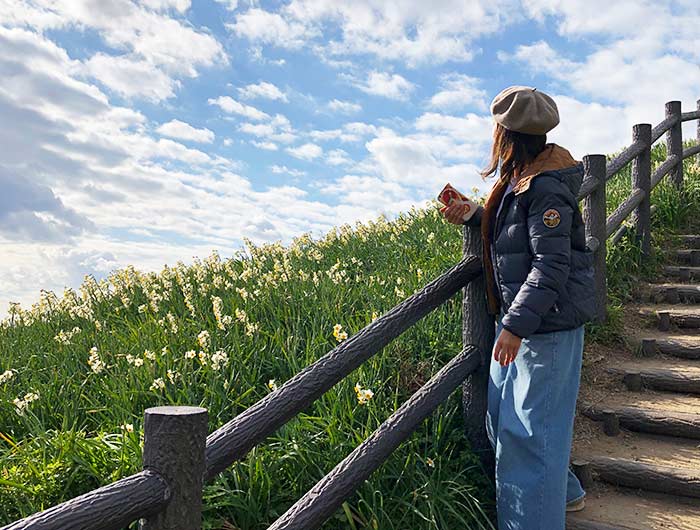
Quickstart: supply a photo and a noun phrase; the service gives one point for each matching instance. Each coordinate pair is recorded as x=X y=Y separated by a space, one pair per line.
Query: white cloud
x=263 y=26
x=119 y=73
x=307 y=151
x=338 y=157
x=610 y=75
x=413 y=32
x=228 y=104
x=385 y=84
x=344 y=107
x=267 y=146
x=157 y=48
x=185 y=131
x=263 y=90
x=459 y=91
x=281 y=170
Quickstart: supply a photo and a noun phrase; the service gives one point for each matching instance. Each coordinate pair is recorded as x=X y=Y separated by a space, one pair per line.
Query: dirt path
x=645 y=394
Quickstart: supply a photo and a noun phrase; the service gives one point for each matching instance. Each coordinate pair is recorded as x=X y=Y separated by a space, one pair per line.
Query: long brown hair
x=514 y=150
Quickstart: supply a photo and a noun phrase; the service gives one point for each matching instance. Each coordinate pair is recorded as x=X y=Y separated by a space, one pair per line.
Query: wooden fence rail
x=179 y=458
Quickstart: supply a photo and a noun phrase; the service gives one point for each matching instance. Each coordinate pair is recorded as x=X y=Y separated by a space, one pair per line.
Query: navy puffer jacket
x=540 y=258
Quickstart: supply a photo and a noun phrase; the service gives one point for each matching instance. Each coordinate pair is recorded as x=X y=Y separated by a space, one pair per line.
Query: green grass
x=277 y=315
x=70 y=439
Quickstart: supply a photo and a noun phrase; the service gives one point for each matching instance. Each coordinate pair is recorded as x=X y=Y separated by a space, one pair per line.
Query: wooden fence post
x=175 y=439
x=641 y=178
x=674 y=142
x=478 y=328
x=697 y=132
x=594 y=216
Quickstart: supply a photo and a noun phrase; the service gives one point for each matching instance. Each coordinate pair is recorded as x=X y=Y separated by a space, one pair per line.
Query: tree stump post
x=697 y=133
x=674 y=142
x=594 y=216
x=478 y=328
x=175 y=439
x=641 y=179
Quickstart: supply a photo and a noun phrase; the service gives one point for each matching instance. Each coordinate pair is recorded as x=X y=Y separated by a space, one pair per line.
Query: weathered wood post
x=641 y=179
x=478 y=328
x=594 y=217
x=174 y=442
x=697 y=131
x=674 y=142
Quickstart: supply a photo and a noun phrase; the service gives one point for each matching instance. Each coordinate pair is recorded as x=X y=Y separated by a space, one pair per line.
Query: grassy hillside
x=78 y=371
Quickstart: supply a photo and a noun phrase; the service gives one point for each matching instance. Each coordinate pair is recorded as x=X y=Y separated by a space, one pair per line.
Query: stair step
x=690 y=256
x=690 y=240
x=616 y=508
x=686 y=273
x=645 y=461
x=659 y=374
x=682 y=316
x=651 y=412
x=685 y=345
x=673 y=293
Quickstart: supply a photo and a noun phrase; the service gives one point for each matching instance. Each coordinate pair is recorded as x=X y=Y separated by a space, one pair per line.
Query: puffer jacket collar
x=553 y=157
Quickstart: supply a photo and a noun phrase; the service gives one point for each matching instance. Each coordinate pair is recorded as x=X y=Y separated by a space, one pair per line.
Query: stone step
x=644 y=461
x=649 y=411
x=681 y=316
x=616 y=508
x=672 y=293
x=666 y=374
x=684 y=273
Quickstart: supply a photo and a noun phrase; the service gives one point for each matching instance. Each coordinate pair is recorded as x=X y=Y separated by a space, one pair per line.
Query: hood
x=553 y=158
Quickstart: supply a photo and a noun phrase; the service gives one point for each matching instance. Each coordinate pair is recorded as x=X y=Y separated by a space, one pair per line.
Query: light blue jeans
x=529 y=422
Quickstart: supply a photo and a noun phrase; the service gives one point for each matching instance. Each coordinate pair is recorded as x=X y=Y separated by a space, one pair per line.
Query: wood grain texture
x=174 y=442
x=478 y=328
x=659 y=379
x=674 y=142
x=319 y=503
x=690 y=151
x=623 y=210
x=650 y=477
x=110 y=507
x=692 y=115
x=594 y=212
x=653 y=421
x=664 y=126
x=232 y=441
x=624 y=158
x=641 y=180
x=663 y=169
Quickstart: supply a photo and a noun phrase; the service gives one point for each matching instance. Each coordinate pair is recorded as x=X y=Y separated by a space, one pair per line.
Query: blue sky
x=150 y=132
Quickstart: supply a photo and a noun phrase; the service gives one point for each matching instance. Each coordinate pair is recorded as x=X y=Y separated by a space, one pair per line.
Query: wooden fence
x=179 y=457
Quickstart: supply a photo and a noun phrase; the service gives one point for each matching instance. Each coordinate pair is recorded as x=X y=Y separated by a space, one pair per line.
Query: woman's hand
x=454 y=213
x=506 y=347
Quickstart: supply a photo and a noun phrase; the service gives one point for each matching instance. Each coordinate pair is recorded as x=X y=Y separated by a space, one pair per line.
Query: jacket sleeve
x=550 y=244
x=475 y=220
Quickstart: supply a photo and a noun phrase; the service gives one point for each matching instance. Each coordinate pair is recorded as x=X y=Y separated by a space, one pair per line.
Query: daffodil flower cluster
x=21 y=404
x=64 y=337
x=363 y=394
x=94 y=361
x=339 y=334
x=6 y=376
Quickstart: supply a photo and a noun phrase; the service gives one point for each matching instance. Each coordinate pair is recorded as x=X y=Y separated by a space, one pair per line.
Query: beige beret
x=525 y=109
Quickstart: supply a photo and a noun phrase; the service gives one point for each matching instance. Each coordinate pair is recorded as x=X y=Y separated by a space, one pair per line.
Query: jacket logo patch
x=551 y=218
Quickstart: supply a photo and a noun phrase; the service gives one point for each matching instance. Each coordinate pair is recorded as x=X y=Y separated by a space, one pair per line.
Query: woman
x=539 y=285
